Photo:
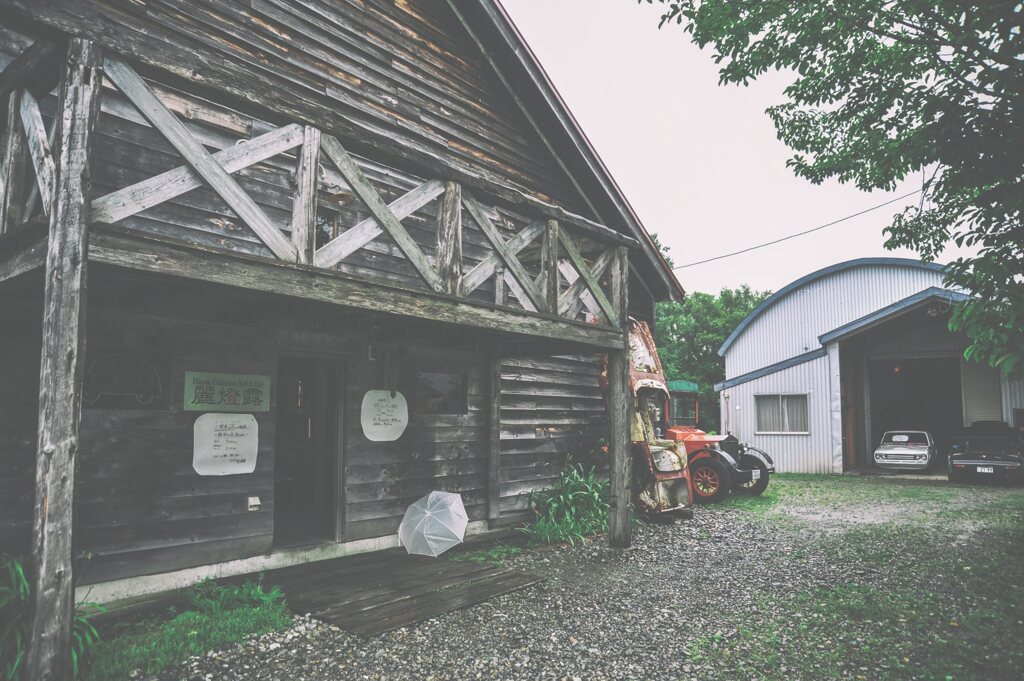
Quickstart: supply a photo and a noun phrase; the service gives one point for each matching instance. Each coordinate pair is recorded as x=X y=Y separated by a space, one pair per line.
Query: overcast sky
x=699 y=162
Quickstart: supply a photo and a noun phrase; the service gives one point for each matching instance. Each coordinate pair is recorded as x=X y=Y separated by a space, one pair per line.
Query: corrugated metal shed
x=841 y=318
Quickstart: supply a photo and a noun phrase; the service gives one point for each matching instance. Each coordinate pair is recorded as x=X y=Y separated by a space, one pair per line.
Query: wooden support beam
x=515 y=268
x=21 y=252
x=15 y=167
x=449 y=238
x=37 y=69
x=304 y=202
x=571 y=300
x=196 y=155
x=378 y=209
x=584 y=298
x=138 y=197
x=38 y=147
x=491 y=265
x=365 y=231
x=500 y=292
x=60 y=374
x=620 y=412
x=585 y=273
x=512 y=285
x=494 y=441
x=549 y=266
x=128 y=248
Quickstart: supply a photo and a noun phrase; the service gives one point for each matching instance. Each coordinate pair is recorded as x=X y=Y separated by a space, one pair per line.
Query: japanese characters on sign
x=206 y=391
x=383 y=416
x=225 y=444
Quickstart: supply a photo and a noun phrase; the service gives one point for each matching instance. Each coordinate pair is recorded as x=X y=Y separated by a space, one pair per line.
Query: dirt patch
x=874 y=514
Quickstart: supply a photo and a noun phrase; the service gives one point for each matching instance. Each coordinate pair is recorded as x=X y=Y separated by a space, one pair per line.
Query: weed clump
x=574 y=508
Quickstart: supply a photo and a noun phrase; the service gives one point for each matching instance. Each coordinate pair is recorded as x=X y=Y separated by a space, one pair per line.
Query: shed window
x=781 y=413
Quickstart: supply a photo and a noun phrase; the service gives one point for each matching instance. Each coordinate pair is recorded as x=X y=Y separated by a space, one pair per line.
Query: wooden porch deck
x=370 y=594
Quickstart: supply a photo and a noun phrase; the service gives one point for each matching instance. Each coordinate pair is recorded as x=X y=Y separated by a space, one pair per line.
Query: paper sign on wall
x=383 y=417
x=225 y=444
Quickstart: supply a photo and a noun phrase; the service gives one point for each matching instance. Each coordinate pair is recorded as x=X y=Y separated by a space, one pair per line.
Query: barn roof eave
x=519 y=68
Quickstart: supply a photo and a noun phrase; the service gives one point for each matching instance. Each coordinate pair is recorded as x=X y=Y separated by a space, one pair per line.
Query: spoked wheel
x=754 y=488
x=710 y=479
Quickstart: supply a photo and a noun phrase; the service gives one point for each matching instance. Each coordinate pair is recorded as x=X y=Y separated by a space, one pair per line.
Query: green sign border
x=237 y=400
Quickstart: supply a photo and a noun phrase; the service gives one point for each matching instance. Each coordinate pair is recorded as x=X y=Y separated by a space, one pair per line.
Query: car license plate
x=756 y=474
x=985 y=469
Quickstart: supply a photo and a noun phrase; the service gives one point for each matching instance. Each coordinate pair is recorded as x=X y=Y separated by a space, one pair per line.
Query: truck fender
x=758 y=454
x=715 y=454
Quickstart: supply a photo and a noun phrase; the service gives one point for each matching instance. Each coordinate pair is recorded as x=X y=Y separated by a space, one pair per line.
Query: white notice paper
x=383 y=417
x=225 y=444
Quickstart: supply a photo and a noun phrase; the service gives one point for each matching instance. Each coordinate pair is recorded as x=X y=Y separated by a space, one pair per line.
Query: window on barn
x=781 y=413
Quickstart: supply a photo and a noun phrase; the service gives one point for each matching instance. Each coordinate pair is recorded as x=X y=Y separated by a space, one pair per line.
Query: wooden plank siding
x=20 y=343
x=552 y=413
x=142 y=510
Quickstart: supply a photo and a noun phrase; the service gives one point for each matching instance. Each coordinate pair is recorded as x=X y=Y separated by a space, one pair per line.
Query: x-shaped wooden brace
x=207 y=166
x=504 y=252
x=39 y=147
x=588 y=279
x=383 y=217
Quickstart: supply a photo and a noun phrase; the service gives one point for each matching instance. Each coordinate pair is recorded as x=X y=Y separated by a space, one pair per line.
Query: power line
x=793 y=236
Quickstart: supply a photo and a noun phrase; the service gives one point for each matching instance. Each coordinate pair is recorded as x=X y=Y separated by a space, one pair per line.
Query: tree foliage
x=885 y=89
x=689 y=335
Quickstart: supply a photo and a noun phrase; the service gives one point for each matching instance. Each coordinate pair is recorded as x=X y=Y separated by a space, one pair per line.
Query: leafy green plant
x=575 y=508
x=210 y=598
x=14 y=605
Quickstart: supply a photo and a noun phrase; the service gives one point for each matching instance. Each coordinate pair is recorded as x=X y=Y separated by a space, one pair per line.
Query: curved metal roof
x=814 y=276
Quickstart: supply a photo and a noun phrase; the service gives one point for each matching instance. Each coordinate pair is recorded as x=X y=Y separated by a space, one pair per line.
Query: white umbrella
x=433 y=524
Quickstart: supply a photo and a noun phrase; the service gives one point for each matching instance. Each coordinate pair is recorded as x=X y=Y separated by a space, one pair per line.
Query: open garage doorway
x=914 y=394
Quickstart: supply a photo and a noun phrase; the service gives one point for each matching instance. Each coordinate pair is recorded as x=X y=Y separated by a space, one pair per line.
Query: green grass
x=932 y=591
x=218 y=615
x=919 y=500
x=153 y=646
x=494 y=555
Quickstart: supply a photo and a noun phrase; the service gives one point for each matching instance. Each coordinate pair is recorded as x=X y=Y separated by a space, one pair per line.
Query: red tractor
x=670 y=452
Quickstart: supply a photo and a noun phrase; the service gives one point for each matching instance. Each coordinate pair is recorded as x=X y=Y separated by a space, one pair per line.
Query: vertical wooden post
x=549 y=266
x=304 y=202
x=494 y=442
x=449 y=238
x=500 y=290
x=60 y=376
x=14 y=165
x=620 y=409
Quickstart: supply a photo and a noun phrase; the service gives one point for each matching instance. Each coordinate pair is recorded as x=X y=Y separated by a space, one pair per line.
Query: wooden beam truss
x=566 y=279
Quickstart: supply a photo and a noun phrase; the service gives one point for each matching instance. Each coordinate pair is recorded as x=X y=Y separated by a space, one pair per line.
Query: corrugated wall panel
x=981 y=392
x=1013 y=398
x=792 y=453
x=792 y=325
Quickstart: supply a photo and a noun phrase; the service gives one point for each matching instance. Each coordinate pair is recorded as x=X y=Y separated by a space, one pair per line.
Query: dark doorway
x=919 y=394
x=306 y=451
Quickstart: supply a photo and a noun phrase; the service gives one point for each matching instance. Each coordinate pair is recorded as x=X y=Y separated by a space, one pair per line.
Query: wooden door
x=306 y=451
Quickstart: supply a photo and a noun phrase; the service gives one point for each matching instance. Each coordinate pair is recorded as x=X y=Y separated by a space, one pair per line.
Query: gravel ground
x=603 y=613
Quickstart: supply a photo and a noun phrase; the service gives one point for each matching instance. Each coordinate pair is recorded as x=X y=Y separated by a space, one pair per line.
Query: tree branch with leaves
x=884 y=89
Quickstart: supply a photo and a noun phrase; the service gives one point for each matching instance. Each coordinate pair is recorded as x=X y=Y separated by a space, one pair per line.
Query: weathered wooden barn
x=270 y=270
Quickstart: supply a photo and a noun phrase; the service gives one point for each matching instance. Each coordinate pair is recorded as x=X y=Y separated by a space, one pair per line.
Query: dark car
x=988 y=449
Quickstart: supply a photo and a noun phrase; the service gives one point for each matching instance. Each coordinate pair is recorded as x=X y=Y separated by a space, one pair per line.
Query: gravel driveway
x=800 y=584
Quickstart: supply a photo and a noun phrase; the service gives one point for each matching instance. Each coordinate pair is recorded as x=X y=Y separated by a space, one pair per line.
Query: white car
x=905 y=450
